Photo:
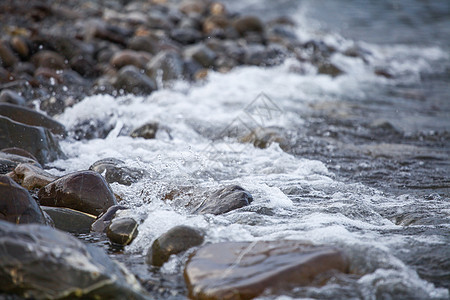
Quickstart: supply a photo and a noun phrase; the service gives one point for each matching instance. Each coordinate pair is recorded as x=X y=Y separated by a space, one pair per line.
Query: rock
x=263 y=137
x=146 y=131
x=186 y=36
x=69 y=220
x=129 y=57
x=7 y=57
x=143 y=43
x=201 y=54
x=243 y=270
x=215 y=23
x=114 y=170
x=9 y=96
x=104 y=219
x=189 y=7
x=36 y=140
x=40 y=262
x=20 y=152
x=16 y=205
x=122 y=231
x=167 y=65
x=20 y=45
x=224 y=200
x=9 y=161
x=329 y=69
x=91 y=129
x=131 y=80
x=31 y=176
x=176 y=240
x=85 y=191
x=49 y=59
x=247 y=24
x=30 y=117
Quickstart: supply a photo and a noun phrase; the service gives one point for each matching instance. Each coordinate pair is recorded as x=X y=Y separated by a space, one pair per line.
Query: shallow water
x=365 y=164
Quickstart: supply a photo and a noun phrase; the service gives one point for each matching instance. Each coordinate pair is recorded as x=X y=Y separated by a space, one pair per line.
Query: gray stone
x=131 y=80
x=9 y=96
x=114 y=170
x=122 y=231
x=104 y=219
x=167 y=64
x=201 y=54
x=40 y=262
x=224 y=200
x=69 y=220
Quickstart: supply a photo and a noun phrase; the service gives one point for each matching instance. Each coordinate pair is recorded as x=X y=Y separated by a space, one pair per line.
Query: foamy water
x=294 y=197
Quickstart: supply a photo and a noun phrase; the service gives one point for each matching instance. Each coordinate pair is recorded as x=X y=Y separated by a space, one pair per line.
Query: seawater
x=302 y=197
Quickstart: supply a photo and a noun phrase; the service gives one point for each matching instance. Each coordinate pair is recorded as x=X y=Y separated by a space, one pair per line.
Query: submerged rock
x=174 y=241
x=86 y=191
x=122 y=231
x=224 y=200
x=146 y=131
x=40 y=262
x=114 y=170
x=16 y=205
x=69 y=220
x=31 y=176
x=243 y=270
x=36 y=140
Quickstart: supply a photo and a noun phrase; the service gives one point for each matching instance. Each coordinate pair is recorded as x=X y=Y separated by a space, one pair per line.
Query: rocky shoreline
x=52 y=55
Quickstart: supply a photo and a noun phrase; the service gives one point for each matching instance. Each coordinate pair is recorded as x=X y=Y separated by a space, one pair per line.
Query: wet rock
x=247 y=24
x=146 y=131
x=69 y=220
x=129 y=57
x=114 y=170
x=91 y=129
x=224 y=200
x=9 y=161
x=20 y=45
x=263 y=137
x=30 y=117
x=7 y=57
x=201 y=54
x=143 y=43
x=243 y=270
x=85 y=191
x=16 y=205
x=131 y=80
x=122 y=231
x=40 y=262
x=174 y=241
x=189 y=7
x=49 y=59
x=329 y=69
x=167 y=65
x=31 y=176
x=104 y=219
x=214 y=24
x=36 y=140
x=9 y=96
x=186 y=36
x=20 y=152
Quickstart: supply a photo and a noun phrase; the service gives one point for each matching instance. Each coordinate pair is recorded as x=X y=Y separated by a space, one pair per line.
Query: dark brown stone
x=129 y=57
x=122 y=231
x=146 y=131
x=31 y=117
x=174 y=241
x=16 y=205
x=226 y=199
x=247 y=24
x=69 y=220
x=7 y=57
x=49 y=59
x=86 y=191
x=243 y=270
x=31 y=176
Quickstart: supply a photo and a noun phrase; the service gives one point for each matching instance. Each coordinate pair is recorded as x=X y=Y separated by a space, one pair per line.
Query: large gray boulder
x=39 y=262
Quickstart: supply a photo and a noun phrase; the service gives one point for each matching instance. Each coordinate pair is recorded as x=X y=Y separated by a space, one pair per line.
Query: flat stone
x=243 y=270
x=16 y=205
x=40 y=262
x=69 y=220
x=85 y=191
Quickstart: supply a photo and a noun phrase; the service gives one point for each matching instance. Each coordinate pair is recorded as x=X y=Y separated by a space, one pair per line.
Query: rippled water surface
x=363 y=163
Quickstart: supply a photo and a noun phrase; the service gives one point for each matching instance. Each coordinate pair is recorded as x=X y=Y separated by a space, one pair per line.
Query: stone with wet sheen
x=69 y=220
x=39 y=262
x=85 y=191
x=31 y=176
x=226 y=199
x=16 y=205
x=114 y=170
x=122 y=231
x=243 y=270
x=174 y=241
